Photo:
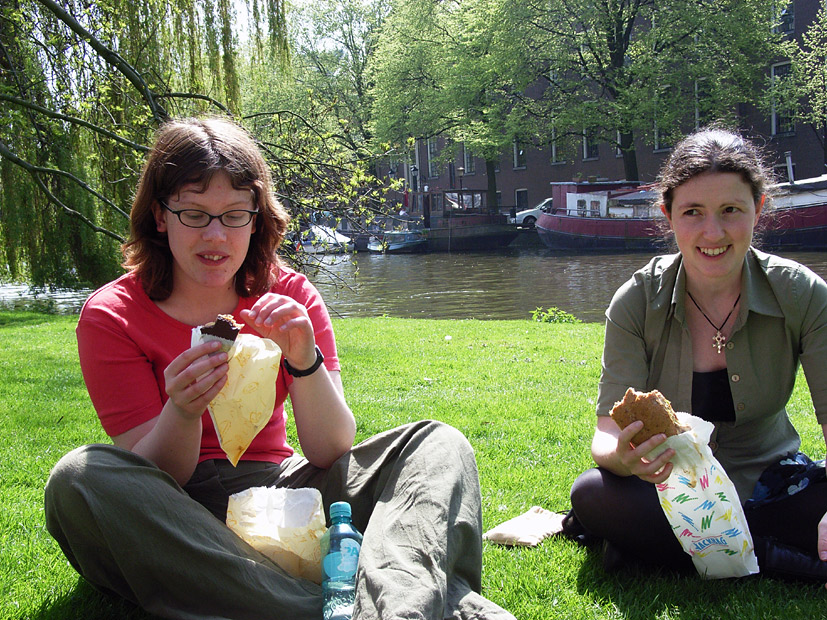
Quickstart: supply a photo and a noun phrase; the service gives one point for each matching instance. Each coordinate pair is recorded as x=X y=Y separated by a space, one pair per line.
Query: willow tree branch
x=75 y=121
x=217 y=104
x=36 y=171
x=111 y=57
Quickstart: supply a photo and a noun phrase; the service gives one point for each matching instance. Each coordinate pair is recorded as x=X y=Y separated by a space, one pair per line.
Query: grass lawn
x=523 y=393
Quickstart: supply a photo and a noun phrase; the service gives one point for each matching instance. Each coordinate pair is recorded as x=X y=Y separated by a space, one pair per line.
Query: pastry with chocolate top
x=653 y=409
x=224 y=329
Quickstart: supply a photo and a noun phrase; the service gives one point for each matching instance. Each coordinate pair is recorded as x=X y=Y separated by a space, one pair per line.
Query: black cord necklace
x=719 y=339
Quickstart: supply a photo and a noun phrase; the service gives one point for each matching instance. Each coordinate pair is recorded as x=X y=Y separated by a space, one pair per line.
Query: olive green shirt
x=782 y=322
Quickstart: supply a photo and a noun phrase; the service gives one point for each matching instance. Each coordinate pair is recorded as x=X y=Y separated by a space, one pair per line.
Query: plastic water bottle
x=340 y=557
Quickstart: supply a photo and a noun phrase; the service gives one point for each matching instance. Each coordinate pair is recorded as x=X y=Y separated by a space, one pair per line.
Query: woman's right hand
x=612 y=449
x=195 y=377
x=634 y=458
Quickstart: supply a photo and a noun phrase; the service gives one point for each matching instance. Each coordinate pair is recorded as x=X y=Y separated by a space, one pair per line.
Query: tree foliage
x=805 y=95
x=451 y=69
x=490 y=71
x=85 y=84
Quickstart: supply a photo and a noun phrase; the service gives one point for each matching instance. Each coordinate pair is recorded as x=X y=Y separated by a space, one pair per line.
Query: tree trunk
x=627 y=147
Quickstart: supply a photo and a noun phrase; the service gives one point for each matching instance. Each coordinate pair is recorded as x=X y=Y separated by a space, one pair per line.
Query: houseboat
x=611 y=216
x=619 y=216
x=798 y=219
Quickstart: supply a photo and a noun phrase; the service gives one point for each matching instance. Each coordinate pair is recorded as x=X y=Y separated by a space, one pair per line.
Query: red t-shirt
x=125 y=342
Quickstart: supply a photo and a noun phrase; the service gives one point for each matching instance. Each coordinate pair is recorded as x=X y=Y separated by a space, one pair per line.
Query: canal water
x=501 y=284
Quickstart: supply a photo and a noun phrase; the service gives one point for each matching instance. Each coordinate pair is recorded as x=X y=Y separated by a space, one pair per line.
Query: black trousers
x=626 y=512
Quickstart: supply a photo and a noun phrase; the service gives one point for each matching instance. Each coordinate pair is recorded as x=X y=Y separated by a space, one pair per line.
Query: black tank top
x=712 y=396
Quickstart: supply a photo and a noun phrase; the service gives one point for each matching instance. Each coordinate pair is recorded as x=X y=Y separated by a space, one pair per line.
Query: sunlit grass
x=522 y=392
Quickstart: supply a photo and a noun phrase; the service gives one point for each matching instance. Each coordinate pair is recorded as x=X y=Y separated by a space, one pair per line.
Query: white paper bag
x=286 y=525
x=703 y=507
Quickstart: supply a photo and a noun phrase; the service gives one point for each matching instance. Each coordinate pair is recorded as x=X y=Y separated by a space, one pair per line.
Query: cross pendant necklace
x=719 y=339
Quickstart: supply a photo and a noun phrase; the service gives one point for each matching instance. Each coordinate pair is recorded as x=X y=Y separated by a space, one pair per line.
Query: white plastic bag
x=286 y=525
x=703 y=507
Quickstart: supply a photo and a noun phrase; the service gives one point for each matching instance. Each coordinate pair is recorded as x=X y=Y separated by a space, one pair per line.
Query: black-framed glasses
x=195 y=218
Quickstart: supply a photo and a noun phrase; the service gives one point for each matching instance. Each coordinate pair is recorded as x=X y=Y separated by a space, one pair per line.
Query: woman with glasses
x=144 y=518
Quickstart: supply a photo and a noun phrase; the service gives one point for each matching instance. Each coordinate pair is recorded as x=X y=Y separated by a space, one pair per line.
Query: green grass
x=523 y=393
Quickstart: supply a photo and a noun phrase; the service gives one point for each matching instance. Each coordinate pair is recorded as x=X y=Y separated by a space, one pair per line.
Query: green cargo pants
x=129 y=528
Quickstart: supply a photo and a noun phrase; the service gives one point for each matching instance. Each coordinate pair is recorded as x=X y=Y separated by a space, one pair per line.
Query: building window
x=660 y=131
x=519 y=154
x=784 y=18
x=499 y=199
x=521 y=199
x=433 y=166
x=703 y=114
x=468 y=161
x=556 y=157
x=618 y=150
x=782 y=120
x=591 y=149
x=662 y=141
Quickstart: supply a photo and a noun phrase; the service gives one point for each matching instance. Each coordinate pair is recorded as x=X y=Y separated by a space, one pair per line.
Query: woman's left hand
x=286 y=322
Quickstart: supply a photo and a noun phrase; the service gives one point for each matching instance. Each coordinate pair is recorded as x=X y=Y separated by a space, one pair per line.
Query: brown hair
x=192 y=150
x=713 y=149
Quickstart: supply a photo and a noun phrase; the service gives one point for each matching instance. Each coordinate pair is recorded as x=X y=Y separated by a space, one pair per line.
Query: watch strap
x=308 y=371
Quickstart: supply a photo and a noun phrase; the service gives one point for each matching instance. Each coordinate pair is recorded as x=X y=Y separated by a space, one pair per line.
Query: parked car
x=528 y=217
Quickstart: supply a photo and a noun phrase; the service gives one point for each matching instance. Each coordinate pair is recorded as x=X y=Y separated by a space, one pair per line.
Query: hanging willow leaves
x=84 y=84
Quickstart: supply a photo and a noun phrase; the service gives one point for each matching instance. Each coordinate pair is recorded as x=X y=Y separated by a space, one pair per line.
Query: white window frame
x=516 y=157
x=697 y=86
x=586 y=156
x=468 y=161
x=555 y=152
x=431 y=152
x=775 y=115
x=785 y=17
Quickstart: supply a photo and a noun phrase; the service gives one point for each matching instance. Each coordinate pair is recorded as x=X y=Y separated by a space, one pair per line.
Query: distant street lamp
x=414 y=178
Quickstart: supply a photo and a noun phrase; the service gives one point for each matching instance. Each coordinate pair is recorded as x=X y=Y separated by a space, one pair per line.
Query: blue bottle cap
x=339 y=509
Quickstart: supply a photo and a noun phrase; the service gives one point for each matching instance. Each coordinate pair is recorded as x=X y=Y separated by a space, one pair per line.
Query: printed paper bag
x=245 y=403
x=286 y=525
x=703 y=507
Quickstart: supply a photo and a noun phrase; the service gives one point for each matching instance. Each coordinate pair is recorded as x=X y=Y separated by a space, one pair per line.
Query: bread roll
x=652 y=409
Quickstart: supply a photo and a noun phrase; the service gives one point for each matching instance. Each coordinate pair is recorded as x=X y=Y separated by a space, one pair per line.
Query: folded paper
x=527 y=529
x=702 y=506
x=245 y=403
x=286 y=525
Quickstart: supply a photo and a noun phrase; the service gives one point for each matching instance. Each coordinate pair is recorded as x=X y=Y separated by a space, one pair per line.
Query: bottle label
x=341 y=565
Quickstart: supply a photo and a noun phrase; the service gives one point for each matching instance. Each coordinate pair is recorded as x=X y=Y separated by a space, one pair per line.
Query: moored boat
x=398 y=241
x=459 y=220
x=603 y=216
x=324 y=240
x=798 y=219
x=617 y=217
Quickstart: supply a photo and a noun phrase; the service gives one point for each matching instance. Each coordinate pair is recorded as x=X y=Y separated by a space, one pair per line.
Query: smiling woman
x=720 y=330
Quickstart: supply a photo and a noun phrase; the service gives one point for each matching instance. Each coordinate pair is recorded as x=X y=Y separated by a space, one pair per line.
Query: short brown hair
x=713 y=149
x=192 y=150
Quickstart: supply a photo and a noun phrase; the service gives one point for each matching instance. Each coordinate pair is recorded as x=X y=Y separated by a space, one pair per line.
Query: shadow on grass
x=19 y=319
x=87 y=603
x=643 y=593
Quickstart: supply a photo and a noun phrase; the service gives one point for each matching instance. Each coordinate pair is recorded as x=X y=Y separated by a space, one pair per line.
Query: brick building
x=524 y=174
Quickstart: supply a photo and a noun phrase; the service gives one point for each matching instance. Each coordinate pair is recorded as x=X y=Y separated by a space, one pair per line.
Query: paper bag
x=245 y=403
x=528 y=529
x=703 y=507
x=286 y=525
